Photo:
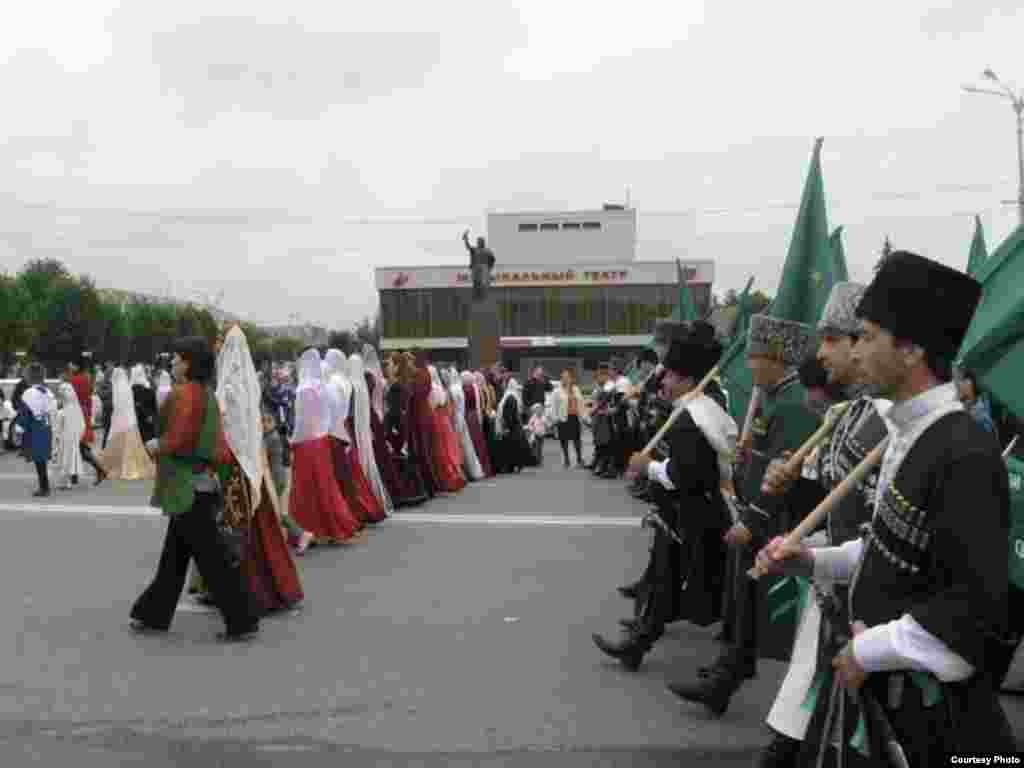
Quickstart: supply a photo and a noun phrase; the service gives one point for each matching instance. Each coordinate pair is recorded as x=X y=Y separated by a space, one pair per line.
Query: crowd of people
x=895 y=613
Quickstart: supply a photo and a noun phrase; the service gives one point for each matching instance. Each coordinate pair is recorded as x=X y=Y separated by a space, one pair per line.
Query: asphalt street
x=455 y=634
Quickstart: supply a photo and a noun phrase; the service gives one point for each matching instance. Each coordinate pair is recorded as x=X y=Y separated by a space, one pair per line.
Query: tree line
x=49 y=315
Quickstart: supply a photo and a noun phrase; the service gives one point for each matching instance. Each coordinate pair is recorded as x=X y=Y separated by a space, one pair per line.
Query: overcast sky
x=278 y=151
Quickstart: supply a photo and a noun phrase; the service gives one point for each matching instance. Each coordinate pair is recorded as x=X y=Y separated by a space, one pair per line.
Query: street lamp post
x=1017 y=100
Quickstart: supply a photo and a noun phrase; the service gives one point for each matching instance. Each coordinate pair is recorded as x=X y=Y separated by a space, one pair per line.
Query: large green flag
x=994 y=344
x=807 y=277
x=684 y=311
x=979 y=253
x=743 y=313
x=835 y=242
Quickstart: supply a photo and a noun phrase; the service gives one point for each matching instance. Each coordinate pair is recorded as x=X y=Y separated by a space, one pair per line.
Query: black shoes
x=716 y=684
x=629 y=651
x=781 y=753
x=142 y=628
x=239 y=637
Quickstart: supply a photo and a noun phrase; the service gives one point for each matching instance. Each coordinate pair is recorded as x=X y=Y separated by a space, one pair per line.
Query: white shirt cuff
x=905 y=644
x=657 y=471
x=836 y=564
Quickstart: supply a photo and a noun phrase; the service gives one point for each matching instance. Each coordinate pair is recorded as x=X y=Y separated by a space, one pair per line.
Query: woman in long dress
x=376 y=385
x=362 y=431
x=488 y=420
x=72 y=427
x=411 y=488
x=446 y=453
x=251 y=505
x=474 y=420
x=471 y=462
x=420 y=428
x=145 y=403
x=512 y=447
x=315 y=501
x=347 y=471
x=125 y=456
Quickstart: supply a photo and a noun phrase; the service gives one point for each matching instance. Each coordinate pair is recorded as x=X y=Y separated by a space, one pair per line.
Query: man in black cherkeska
x=697 y=449
x=927 y=595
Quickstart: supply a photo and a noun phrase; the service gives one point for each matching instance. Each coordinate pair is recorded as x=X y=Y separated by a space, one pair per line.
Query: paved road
x=458 y=634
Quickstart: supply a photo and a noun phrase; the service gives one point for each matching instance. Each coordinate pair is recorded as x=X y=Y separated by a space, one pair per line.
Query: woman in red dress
x=250 y=503
x=420 y=428
x=315 y=501
x=81 y=382
x=347 y=471
x=474 y=411
x=446 y=450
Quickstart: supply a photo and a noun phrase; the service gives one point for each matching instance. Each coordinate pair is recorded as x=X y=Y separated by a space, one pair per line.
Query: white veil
x=312 y=414
x=339 y=393
x=438 y=392
x=163 y=388
x=363 y=431
x=512 y=390
x=74 y=420
x=139 y=377
x=123 y=418
x=470 y=459
x=372 y=363
x=238 y=394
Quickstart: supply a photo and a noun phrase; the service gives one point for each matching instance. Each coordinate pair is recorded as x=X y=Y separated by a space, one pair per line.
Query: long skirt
x=125 y=457
x=446 y=454
x=315 y=501
x=353 y=483
x=476 y=434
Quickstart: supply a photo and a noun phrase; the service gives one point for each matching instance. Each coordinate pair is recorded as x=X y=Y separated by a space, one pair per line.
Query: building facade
x=584 y=301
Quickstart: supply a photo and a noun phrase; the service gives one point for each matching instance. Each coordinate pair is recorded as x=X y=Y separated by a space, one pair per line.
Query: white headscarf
x=123 y=417
x=472 y=462
x=372 y=363
x=364 y=431
x=72 y=426
x=163 y=388
x=238 y=394
x=513 y=391
x=312 y=411
x=339 y=392
x=139 y=378
x=438 y=392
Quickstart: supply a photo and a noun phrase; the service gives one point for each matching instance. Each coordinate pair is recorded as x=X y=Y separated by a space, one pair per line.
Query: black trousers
x=194 y=535
x=105 y=426
x=44 y=478
x=741 y=601
x=664 y=578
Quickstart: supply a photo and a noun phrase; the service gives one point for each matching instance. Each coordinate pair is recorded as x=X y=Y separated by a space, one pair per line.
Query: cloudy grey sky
x=279 y=151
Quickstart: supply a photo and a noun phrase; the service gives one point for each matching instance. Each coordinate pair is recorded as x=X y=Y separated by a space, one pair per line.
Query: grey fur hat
x=840 y=314
x=785 y=339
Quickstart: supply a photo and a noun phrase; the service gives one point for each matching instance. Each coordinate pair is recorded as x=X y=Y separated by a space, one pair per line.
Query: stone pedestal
x=483 y=333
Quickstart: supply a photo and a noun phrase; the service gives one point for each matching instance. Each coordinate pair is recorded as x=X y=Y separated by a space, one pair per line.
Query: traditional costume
x=411 y=488
x=855 y=434
x=470 y=460
x=347 y=471
x=929 y=578
x=315 y=501
x=474 y=413
x=125 y=457
x=145 y=403
x=163 y=388
x=445 y=448
x=251 y=505
x=362 y=429
x=35 y=424
x=419 y=430
x=685 y=581
x=72 y=427
x=781 y=422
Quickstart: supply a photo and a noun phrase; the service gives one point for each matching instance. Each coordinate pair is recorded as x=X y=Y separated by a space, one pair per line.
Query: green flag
x=841 y=274
x=739 y=327
x=994 y=344
x=979 y=253
x=809 y=272
x=684 y=311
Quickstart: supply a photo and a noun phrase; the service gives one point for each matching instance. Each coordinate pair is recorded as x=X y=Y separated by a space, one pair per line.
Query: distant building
x=567 y=286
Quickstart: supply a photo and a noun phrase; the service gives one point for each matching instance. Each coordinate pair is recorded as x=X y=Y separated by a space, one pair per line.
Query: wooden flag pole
x=677 y=412
x=796 y=461
x=1010 y=446
x=794 y=537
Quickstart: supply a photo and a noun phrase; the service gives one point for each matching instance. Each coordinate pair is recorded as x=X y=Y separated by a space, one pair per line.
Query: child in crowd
x=536 y=429
x=297 y=537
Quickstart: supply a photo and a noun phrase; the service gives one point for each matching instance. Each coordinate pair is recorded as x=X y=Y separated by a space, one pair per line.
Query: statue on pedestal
x=481 y=262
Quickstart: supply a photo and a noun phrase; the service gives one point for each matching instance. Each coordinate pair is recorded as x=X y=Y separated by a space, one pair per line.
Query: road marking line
x=414 y=518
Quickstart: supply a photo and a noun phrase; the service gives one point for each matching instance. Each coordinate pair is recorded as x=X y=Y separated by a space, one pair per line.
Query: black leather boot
x=713 y=691
x=782 y=752
x=630 y=651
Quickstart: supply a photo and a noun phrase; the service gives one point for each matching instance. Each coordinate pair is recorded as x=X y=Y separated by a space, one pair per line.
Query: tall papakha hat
x=784 y=340
x=696 y=353
x=839 y=318
x=906 y=287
